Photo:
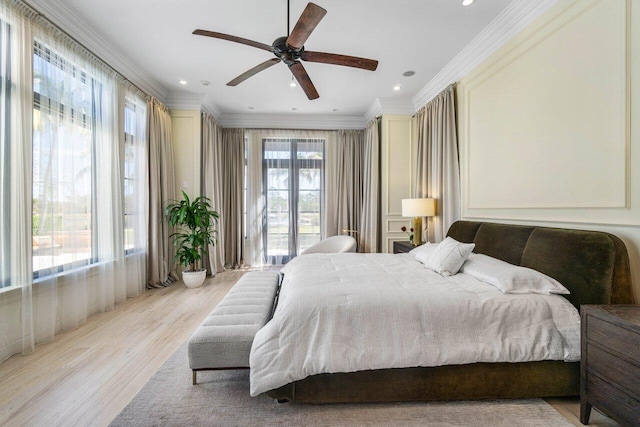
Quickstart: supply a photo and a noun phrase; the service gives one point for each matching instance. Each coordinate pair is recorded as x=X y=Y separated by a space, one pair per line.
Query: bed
x=593 y=266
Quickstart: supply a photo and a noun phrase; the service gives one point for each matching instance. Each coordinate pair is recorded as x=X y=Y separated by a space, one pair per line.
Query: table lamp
x=417 y=208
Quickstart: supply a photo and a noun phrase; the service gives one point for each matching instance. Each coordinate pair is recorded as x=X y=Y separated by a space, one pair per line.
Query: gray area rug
x=221 y=398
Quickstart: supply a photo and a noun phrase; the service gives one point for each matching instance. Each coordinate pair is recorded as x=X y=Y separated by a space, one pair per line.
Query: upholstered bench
x=224 y=339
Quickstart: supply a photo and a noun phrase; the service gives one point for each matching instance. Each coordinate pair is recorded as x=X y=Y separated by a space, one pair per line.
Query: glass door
x=293 y=182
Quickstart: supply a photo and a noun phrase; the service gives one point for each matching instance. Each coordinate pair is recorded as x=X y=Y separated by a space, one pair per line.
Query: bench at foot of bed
x=224 y=339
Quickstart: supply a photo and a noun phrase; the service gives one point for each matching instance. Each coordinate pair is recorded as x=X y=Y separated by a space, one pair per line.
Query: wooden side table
x=610 y=362
x=402 y=247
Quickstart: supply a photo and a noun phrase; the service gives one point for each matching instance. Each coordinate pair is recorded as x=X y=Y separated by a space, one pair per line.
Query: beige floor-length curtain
x=344 y=189
x=438 y=170
x=368 y=240
x=212 y=184
x=233 y=196
x=161 y=191
x=223 y=166
x=352 y=186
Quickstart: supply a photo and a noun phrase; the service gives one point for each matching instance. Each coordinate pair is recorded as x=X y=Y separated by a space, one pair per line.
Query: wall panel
x=549 y=125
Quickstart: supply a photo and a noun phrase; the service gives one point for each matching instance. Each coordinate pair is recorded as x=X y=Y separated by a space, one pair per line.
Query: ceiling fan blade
x=305 y=82
x=345 y=60
x=233 y=39
x=252 y=72
x=311 y=16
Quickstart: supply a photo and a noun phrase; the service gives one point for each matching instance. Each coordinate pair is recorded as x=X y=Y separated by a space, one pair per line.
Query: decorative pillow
x=449 y=256
x=509 y=278
x=423 y=252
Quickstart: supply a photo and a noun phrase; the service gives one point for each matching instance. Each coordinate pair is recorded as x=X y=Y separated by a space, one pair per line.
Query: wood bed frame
x=593 y=265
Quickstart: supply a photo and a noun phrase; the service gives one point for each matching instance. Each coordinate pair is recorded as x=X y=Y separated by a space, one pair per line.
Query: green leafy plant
x=195 y=221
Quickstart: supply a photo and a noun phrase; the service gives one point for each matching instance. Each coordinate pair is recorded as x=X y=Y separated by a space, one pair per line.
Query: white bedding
x=354 y=312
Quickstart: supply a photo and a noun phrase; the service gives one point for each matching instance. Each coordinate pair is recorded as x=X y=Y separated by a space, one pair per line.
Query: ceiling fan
x=290 y=50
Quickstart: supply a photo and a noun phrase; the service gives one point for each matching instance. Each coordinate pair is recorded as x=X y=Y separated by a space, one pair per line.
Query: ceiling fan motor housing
x=288 y=55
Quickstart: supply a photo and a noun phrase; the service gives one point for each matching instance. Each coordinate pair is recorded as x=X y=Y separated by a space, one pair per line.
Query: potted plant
x=195 y=221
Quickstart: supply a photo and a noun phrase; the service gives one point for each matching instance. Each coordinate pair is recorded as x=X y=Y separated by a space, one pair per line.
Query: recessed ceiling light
x=183 y=82
x=466 y=2
x=408 y=73
x=205 y=82
x=396 y=87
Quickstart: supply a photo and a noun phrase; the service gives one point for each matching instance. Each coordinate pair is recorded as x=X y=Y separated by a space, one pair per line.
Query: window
x=131 y=173
x=65 y=99
x=5 y=154
x=293 y=175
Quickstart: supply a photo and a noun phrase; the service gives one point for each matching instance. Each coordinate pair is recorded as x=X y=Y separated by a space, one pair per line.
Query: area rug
x=221 y=398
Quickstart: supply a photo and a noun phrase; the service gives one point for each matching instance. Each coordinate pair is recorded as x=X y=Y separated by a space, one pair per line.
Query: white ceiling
x=155 y=35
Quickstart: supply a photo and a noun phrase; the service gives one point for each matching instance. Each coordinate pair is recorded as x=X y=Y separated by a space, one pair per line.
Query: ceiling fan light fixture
x=290 y=51
x=293 y=82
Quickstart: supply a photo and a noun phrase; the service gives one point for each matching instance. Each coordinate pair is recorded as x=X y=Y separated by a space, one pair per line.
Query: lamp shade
x=418 y=207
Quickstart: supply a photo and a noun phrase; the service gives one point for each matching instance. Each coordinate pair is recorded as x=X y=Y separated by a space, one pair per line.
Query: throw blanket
x=354 y=312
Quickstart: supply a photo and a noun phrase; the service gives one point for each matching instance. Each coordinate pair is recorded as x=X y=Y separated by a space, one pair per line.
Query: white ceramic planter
x=194 y=279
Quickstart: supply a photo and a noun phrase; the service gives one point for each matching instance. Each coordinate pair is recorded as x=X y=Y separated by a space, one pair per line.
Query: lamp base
x=417 y=231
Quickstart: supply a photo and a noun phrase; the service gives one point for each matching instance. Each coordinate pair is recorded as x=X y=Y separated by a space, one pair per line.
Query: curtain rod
x=302 y=130
x=105 y=63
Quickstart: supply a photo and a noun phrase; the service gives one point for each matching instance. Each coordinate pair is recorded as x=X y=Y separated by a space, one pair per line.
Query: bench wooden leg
x=195 y=381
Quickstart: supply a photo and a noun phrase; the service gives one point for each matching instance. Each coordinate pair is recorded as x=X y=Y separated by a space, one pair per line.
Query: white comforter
x=354 y=312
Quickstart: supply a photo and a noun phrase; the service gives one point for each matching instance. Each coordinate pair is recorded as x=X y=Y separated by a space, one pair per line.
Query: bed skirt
x=453 y=382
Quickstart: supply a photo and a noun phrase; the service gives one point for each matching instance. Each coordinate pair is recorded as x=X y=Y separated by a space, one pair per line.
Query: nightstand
x=610 y=364
x=402 y=247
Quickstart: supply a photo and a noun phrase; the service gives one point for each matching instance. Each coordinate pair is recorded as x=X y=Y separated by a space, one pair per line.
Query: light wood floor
x=87 y=376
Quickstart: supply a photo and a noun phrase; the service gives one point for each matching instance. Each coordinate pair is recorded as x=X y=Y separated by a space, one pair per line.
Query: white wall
x=186 y=133
x=397 y=170
x=549 y=125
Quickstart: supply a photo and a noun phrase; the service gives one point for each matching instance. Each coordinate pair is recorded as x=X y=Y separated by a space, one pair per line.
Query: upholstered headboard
x=593 y=265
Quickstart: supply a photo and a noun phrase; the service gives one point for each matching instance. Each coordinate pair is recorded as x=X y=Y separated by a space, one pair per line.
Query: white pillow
x=509 y=278
x=449 y=256
x=423 y=252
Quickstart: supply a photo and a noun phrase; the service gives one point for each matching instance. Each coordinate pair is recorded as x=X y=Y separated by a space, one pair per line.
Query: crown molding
x=76 y=26
x=291 y=121
x=380 y=106
x=184 y=101
x=374 y=110
x=515 y=18
x=210 y=107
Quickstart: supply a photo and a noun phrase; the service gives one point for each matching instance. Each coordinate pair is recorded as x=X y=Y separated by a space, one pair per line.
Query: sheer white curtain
x=63 y=149
x=135 y=158
x=77 y=188
x=438 y=170
x=285 y=192
x=16 y=103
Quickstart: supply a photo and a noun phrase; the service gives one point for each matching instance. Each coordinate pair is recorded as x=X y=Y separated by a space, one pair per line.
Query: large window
x=293 y=182
x=134 y=152
x=65 y=99
x=5 y=154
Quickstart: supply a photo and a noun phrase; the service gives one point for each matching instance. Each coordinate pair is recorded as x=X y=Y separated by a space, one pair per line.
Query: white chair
x=331 y=245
